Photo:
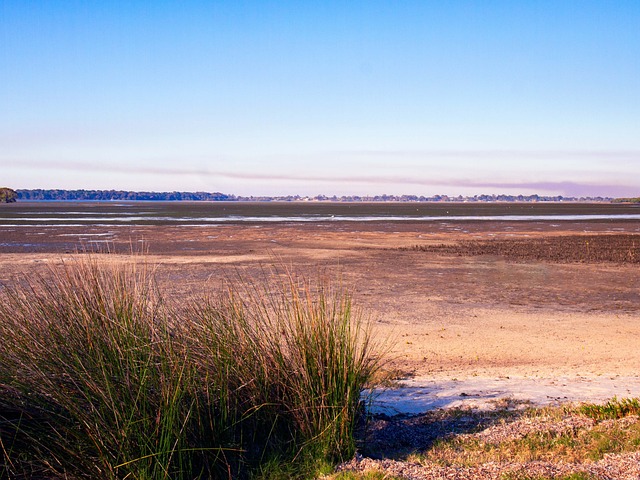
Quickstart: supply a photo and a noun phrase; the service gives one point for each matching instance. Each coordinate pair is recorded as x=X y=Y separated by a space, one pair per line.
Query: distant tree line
x=7 y=195
x=105 y=195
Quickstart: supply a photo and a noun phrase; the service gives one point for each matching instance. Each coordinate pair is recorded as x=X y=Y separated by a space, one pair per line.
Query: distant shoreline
x=60 y=195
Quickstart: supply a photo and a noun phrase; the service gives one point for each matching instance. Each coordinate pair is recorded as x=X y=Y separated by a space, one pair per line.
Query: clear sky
x=332 y=97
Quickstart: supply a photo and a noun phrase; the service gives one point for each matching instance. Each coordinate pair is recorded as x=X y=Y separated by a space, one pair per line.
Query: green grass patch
x=614 y=408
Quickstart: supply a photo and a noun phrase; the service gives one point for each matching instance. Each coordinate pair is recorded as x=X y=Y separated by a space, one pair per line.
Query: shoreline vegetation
x=103 y=377
x=122 y=195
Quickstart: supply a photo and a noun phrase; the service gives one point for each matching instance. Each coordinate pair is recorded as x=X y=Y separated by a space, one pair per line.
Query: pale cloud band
x=566 y=188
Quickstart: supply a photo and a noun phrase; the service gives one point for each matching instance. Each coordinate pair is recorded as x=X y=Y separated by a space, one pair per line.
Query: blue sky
x=271 y=98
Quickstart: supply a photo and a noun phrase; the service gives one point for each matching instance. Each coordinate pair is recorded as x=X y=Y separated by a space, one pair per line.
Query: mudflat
x=471 y=300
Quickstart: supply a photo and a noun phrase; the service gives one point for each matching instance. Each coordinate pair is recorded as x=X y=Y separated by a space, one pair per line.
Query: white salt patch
x=417 y=396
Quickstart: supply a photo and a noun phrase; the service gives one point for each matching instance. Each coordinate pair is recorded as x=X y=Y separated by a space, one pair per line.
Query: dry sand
x=482 y=326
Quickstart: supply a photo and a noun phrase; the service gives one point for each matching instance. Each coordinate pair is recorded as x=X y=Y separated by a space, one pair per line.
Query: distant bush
x=7 y=195
x=100 y=377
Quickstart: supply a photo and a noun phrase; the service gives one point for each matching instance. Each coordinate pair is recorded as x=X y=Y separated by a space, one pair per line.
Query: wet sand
x=451 y=316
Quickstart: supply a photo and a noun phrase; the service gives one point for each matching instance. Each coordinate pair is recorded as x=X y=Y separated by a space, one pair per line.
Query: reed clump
x=101 y=377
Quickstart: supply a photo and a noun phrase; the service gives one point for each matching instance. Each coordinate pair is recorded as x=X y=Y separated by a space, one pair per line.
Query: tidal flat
x=462 y=298
x=473 y=306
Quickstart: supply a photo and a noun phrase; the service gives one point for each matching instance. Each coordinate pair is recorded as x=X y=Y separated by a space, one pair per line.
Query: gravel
x=388 y=441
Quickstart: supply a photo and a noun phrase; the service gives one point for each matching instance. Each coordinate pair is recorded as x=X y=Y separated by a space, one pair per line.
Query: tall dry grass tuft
x=101 y=378
x=302 y=355
x=100 y=386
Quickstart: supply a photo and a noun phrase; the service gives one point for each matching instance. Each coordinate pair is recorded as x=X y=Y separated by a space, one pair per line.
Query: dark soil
x=622 y=248
x=398 y=436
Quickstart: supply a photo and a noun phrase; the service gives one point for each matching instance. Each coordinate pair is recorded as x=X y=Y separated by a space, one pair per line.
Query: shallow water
x=211 y=213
